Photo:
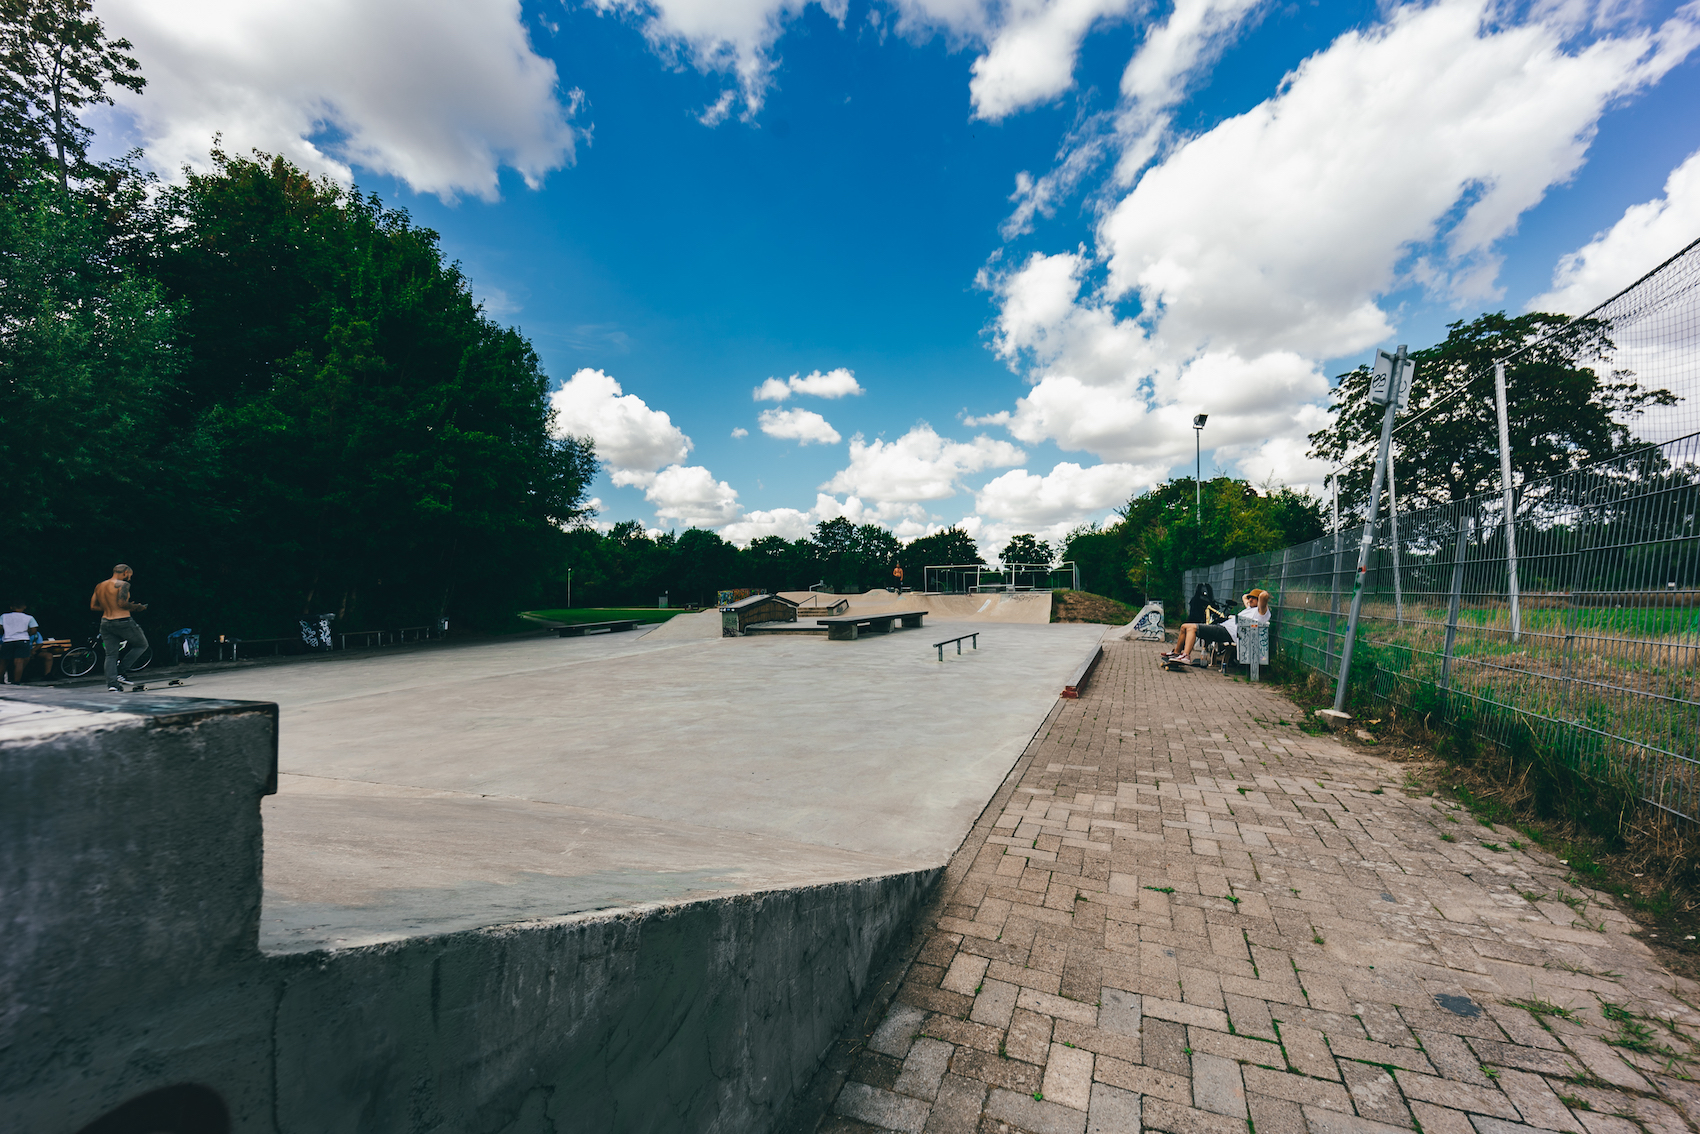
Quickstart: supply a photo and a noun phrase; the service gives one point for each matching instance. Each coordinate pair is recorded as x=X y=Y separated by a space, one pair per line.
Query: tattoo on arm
x=124 y=595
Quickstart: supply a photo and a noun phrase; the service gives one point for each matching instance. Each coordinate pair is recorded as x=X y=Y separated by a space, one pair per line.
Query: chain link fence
x=1579 y=635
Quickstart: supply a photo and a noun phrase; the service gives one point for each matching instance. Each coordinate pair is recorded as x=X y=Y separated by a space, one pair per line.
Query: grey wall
x=130 y=850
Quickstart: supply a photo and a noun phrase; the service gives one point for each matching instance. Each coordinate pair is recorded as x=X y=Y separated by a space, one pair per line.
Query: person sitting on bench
x=1225 y=632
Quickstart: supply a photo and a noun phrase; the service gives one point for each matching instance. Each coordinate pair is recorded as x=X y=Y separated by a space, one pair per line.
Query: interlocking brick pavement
x=1180 y=914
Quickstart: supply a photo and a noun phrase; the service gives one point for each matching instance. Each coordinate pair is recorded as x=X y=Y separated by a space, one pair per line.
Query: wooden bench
x=846 y=628
x=580 y=629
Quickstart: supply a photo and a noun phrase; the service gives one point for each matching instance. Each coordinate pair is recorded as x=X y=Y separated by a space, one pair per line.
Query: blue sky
x=680 y=200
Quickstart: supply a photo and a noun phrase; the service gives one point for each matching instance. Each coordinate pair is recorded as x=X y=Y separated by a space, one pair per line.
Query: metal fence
x=1575 y=626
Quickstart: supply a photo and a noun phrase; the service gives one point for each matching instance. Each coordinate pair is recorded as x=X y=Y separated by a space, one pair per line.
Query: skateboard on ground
x=144 y=686
x=1175 y=665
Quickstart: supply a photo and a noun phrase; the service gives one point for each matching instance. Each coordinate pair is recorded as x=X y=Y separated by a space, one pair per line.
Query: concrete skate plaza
x=450 y=788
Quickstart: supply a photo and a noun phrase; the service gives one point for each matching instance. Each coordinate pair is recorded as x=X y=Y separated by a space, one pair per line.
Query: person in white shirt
x=1225 y=632
x=16 y=649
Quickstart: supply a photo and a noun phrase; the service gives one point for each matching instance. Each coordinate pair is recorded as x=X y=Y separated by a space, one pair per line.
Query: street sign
x=1381 y=386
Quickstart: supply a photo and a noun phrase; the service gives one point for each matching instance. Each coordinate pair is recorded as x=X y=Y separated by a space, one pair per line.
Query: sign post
x=1390 y=386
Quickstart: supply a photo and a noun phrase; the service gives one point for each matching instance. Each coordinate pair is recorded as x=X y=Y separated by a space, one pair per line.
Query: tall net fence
x=1575 y=626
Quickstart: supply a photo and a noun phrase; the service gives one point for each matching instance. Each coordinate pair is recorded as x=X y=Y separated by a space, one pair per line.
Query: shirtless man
x=118 y=631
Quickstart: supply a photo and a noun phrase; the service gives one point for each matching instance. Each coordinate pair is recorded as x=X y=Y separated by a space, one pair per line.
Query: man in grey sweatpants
x=123 y=639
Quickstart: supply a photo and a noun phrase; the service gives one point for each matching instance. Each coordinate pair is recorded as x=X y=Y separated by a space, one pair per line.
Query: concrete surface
x=1030 y=607
x=474 y=786
x=1184 y=914
x=130 y=841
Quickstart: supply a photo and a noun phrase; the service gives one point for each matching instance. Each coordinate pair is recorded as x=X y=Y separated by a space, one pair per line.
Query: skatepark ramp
x=136 y=976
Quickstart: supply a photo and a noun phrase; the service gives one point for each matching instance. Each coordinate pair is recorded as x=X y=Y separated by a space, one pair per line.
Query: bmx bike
x=83 y=659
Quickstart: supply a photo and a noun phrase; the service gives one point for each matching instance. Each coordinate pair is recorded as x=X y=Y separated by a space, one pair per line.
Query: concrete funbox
x=134 y=996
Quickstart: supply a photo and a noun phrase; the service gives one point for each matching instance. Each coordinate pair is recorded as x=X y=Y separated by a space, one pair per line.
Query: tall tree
x=1566 y=408
x=58 y=62
x=1028 y=550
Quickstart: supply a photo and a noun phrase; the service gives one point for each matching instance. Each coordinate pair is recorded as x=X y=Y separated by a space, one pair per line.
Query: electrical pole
x=1390 y=385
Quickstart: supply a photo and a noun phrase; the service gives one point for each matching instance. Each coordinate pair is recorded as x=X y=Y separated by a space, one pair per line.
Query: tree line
x=272 y=396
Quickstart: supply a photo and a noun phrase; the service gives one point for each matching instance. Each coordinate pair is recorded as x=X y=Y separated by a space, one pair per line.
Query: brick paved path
x=1180 y=915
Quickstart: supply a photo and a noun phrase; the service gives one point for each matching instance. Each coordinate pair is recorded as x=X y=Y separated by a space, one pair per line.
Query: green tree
x=57 y=63
x=1028 y=550
x=1562 y=412
x=952 y=545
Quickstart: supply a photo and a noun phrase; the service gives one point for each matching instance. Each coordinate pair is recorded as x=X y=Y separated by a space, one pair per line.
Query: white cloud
x=732 y=37
x=1031 y=58
x=800 y=425
x=1068 y=494
x=1645 y=236
x=740 y=433
x=786 y=523
x=631 y=439
x=691 y=496
x=1279 y=228
x=920 y=465
x=439 y=93
x=839 y=383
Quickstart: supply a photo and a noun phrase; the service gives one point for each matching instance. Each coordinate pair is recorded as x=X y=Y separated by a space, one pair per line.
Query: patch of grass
x=1317 y=938
x=1493 y=846
x=1531 y=896
x=1162 y=889
x=1445 y=838
x=1231 y=898
x=1539 y=1008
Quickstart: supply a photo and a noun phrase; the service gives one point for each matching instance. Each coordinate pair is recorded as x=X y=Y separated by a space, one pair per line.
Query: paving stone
x=958 y=1106
x=1143 y=1080
x=1011 y=1074
x=1068 y=1076
x=1604 y=1062
x=1606 y=1124
x=1274 y=1116
x=1118 y=1011
x=1486 y=1125
x=1035 y=1115
x=1160 y=1114
x=1307 y=1052
x=1029 y=1036
x=1297 y=1088
x=1374 y=1093
x=1458 y=1096
x=1249 y=1015
x=897 y=1031
x=1112 y=1111
x=1035 y=1001
x=994 y=1004
x=1452 y=1058
x=882 y=1108
x=964 y=974
x=1333 y=1122
x=1658 y=1117
x=1441 y=1120
x=1216 y=1085
x=1524 y=1058
x=924 y=1067
x=963 y=1032
x=1237 y=1048
x=1536 y=1102
x=1164 y=1044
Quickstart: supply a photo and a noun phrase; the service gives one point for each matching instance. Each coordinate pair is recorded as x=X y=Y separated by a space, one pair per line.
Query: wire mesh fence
x=1575 y=627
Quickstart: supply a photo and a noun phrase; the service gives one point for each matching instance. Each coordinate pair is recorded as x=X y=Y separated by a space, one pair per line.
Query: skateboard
x=1174 y=665
x=144 y=686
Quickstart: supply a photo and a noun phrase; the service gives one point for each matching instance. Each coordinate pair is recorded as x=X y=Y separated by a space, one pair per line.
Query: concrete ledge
x=1083 y=673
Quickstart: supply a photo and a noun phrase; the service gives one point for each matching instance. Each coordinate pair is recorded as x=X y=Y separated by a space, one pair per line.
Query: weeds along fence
x=1574 y=629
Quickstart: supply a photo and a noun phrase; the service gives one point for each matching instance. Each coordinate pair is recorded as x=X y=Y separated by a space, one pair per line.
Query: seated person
x=1225 y=632
x=22 y=639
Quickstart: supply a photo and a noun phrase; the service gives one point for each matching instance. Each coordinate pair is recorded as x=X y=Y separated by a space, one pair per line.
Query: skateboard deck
x=1175 y=665
x=156 y=683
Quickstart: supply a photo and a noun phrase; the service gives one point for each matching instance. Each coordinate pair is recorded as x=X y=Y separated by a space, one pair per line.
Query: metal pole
x=1369 y=532
x=1510 y=505
x=1334 y=576
x=1464 y=523
x=1393 y=519
x=569 y=588
x=1198 y=476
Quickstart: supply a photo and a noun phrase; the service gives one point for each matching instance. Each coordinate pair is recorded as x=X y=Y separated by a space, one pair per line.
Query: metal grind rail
x=974 y=640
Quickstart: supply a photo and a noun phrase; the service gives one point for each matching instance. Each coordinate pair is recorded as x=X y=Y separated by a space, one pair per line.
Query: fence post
x=1510 y=510
x=1464 y=524
x=1367 y=541
x=1334 y=577
x=1393 y=519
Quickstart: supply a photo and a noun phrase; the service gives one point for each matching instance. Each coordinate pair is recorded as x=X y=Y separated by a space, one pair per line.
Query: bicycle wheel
x=77 y=662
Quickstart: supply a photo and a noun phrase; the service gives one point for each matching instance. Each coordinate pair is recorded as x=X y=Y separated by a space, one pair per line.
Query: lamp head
x=1198 y=422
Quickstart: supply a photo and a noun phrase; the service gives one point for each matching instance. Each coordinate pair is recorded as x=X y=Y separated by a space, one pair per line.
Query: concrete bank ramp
x=1029 y=607
x=687 y=627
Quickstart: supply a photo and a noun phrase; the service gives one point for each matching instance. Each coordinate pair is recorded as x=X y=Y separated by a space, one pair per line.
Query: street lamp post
x=1198 y=469
x=569 y=588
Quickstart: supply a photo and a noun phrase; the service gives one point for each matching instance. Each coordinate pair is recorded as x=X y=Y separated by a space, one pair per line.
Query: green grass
x=604 y=613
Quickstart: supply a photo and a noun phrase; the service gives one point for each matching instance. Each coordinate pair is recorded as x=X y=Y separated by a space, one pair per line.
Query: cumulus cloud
x=800 y=425
x=920 y=465
x=1065 y=495
x=439 y=93
x=631 y=439
x=839 y=383
x=1031 y=58
x=689 y=495
x=1643 y=238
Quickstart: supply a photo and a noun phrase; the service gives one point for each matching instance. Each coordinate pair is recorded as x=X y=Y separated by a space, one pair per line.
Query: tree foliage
x=1561 y=412
x=55 y=62
x=1028 y=550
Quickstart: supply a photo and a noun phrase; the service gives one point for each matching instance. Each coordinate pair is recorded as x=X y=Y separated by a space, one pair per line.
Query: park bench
x=580 y=629
x=846 y=628
x=939 y=646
